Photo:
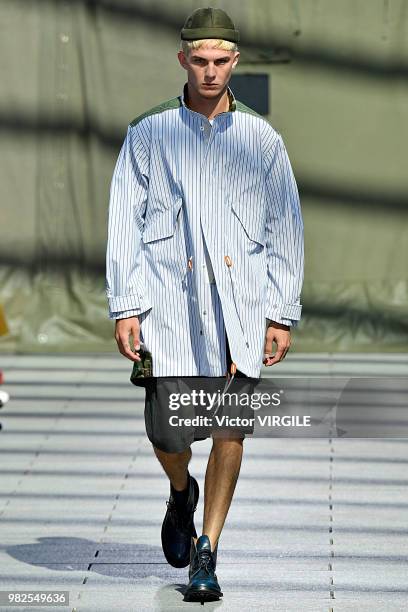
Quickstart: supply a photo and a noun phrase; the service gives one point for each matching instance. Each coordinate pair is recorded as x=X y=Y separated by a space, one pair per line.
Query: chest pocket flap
x=252 y=218
x=161 y=222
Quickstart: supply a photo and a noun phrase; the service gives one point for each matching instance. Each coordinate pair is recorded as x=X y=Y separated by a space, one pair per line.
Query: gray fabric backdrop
x=75 y=73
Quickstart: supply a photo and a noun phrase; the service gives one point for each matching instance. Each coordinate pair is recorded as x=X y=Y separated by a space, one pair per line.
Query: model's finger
x=126 y=350
x=136 y=337
x=268 y=361
x=268 y=358
x=268 y=345
x=276 y=358
x=286 y=352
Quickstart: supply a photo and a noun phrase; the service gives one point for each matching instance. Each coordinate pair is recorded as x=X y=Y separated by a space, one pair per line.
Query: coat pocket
x=251 y=215
x=161 y=223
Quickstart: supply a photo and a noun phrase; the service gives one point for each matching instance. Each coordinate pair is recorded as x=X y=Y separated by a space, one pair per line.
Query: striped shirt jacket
x=205 y=237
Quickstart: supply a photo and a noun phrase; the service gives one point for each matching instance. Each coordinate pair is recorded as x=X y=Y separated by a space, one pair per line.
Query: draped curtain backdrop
x=76 y=72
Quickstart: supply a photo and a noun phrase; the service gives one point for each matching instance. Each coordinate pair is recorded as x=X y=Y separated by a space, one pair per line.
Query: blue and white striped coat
x=205 y=236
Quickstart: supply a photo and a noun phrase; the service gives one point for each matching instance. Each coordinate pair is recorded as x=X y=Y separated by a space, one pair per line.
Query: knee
x=227 y=444
x=168 y=458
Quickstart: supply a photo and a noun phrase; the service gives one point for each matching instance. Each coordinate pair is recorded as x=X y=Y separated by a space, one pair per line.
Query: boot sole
x=203 y=595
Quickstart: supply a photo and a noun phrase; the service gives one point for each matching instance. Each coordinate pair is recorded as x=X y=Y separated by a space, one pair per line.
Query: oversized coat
x=205 y=237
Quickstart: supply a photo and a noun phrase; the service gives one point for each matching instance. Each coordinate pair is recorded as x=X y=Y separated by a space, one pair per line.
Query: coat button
x=190 y=263
x=228 y=260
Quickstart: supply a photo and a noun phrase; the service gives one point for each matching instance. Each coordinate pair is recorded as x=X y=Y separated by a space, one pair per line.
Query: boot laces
x=205 y=562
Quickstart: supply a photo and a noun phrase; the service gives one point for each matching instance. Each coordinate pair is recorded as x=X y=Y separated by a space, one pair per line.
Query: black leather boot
x=203 y=585
x=178 y=528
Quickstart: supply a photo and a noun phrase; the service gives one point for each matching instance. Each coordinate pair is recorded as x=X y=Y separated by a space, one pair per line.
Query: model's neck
x=208 y=107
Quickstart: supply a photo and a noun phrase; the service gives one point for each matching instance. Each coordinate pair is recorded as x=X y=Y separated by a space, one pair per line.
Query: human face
x=209 y=70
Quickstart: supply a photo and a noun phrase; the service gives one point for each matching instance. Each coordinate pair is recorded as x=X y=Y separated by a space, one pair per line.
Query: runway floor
x=316 y=524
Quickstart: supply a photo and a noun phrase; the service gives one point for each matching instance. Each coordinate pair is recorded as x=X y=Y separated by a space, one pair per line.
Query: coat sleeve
x=284 y=237
x=127 y=204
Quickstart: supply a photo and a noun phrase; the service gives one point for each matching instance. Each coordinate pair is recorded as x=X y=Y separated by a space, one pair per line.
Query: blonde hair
x=215 y=43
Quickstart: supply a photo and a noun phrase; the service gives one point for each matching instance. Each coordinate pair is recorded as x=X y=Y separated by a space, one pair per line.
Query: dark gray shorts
x=159 y=417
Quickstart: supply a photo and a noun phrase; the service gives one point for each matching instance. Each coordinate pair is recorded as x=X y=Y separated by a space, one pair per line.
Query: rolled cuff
x=122 y=305
x=124 y=315
x=287 y=314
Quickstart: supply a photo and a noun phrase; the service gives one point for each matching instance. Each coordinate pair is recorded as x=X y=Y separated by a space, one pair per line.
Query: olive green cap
x=209 y=23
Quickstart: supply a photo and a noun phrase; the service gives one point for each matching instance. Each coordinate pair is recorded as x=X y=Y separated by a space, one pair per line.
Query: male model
x=204 y=265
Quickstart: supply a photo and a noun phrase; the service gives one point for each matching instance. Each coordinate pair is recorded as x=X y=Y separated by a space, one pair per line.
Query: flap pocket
x=161 y=222
x=252 y=219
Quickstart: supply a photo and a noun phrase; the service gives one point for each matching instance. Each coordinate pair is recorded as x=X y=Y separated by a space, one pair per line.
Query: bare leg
x=175 y=465
x=220 y=479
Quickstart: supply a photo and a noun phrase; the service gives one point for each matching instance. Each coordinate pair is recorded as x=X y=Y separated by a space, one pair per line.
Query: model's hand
x=280 y=334
x=123 y=329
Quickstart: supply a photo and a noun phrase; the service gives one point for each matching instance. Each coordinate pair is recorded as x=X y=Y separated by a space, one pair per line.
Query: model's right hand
x=123 y=329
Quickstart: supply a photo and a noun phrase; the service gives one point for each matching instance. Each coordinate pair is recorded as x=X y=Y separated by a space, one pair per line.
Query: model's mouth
x=209 y=84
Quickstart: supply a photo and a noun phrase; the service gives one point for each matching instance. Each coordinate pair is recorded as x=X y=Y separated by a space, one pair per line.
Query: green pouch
x=142 y=370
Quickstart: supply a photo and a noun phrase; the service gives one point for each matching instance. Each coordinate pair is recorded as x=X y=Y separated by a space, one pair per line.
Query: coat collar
x=231 y=97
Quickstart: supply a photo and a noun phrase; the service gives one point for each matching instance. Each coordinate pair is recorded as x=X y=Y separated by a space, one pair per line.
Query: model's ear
x=235 y=62
x=182 y=59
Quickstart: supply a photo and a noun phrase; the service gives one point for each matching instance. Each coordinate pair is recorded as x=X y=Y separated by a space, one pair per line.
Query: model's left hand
x=280 y=334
